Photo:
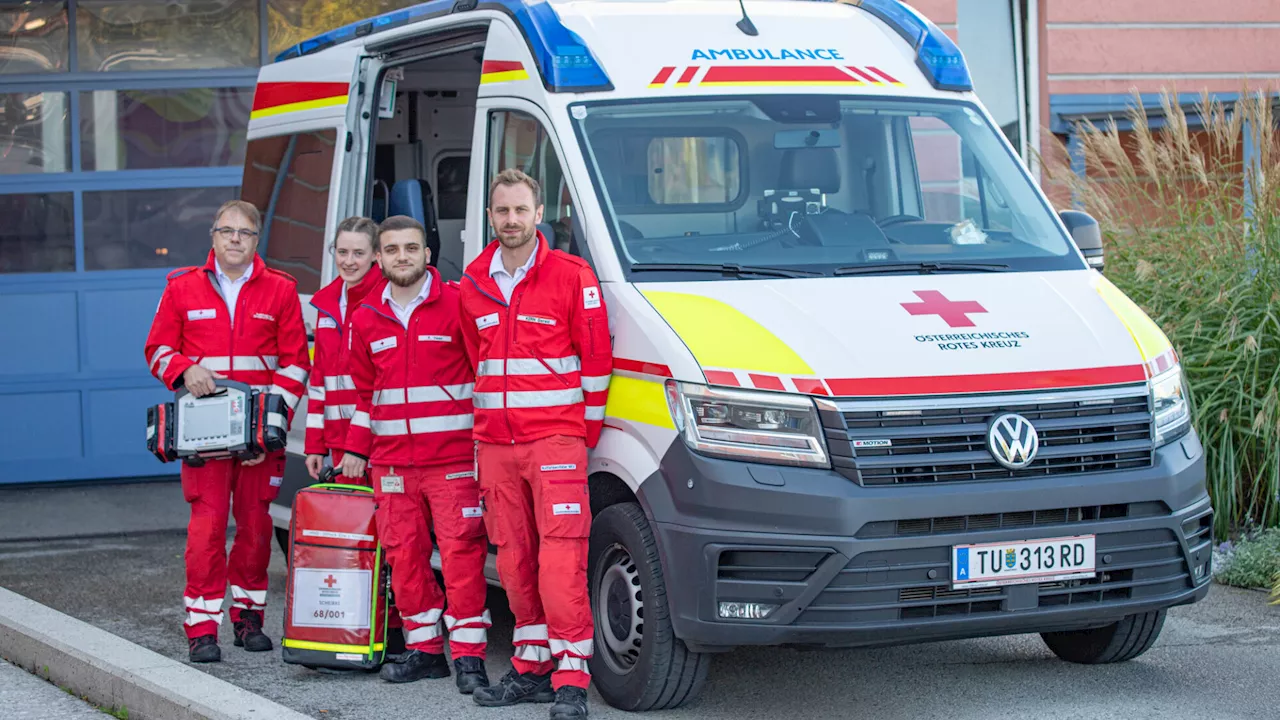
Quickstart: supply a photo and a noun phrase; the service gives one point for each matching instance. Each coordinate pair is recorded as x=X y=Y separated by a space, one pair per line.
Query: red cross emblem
x=331 y=580
x=954 y=313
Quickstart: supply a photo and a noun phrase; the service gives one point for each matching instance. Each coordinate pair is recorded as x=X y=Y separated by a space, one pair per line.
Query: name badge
x=385 y=343
x=264 y=316
x=554 y=468
x=435 y=338
x=392 y=484
x=566 y=509
x=206 y=314
x=327 y=322
x=460 y=475
x=486 y=321
x=472 y=512
x=536 y=320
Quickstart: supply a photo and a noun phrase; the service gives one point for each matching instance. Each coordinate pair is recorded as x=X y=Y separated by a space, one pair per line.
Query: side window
x=287 y=178
x=660 y=173
x=451 y=187
x=518 y=140
x=953 y=185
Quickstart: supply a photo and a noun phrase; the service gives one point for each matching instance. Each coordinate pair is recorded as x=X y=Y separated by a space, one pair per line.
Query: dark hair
x=511 y=177
x=246 y=208
x=399 y=222
x=358 y=224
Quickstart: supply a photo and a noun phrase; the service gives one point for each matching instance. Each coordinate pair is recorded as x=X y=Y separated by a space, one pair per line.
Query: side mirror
x=1086 y=234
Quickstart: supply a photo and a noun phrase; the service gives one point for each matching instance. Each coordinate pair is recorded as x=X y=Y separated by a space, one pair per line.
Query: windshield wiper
x=924 y=268
x=727 y=269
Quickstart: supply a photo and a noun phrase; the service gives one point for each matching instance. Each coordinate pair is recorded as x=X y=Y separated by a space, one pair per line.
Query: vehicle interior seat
x=413 y=198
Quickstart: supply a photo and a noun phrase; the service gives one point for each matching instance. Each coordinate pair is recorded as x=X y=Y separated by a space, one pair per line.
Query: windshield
x=813 y=185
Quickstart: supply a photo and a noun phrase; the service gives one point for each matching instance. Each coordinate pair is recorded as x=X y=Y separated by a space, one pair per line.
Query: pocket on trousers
x=190 y=486
x=489 y=519
x=272 y=476
x=468 y=515
x=390 y=535
x=566 y=510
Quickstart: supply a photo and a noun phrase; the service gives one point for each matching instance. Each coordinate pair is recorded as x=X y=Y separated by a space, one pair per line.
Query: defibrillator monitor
x=235 y=421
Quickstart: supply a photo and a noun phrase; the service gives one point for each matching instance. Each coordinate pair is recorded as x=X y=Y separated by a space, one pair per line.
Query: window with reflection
x=34 y=133
x=33 y=37
x=114 y=36
x=128 y=229
x=287 y=178
x=146 y=129
x=289 y=22
x=38 y=234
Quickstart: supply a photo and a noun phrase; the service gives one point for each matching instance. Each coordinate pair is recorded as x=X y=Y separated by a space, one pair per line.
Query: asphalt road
x=1217 y=659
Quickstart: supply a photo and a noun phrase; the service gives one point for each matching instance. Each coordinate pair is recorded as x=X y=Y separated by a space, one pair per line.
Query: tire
x=282 y=539
x=1117 y=642
x=638 y=663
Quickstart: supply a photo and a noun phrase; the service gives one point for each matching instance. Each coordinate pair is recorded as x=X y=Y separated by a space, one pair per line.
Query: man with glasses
x=232 y=319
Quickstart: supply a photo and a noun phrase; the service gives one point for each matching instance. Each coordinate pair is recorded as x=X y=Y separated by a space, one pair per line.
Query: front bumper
x=856 y=566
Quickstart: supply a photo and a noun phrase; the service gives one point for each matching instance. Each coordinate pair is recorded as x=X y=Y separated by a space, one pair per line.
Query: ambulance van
x=868 y=389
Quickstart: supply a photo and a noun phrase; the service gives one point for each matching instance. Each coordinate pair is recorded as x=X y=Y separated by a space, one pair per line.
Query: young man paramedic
x=232 y=319
x=331 y=396
x=413 y=423
x=537 y=332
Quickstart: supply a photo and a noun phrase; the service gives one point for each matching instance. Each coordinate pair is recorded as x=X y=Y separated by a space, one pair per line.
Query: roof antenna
x=745 y=24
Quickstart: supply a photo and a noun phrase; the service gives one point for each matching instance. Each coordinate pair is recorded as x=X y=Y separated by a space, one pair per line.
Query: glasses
x=226 y=233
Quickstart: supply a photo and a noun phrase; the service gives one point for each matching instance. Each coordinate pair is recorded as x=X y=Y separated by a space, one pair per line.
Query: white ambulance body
x=866 y=388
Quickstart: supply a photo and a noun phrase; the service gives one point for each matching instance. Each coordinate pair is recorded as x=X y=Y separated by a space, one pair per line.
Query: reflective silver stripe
x=164 y=364
x=545 y=366
x=428 y=393
x=489 y=367
x=339 y=412
x=528 y=399
x=581 y=648
x=389 y=396
x=530 y=632
x=422 y=634
x=199 y=603
x=594 y=412
x=533 y=653
x=544 y=398
x=315 y=393
x=595 y=383
x=339 y=382
x=160 y=352
x=295 y=373
x=460 y=392
x=485 y=619
x=360 y=419
x=253 y=362
x=216 y=363
x=439 y=423
x=289 y=398
x=385 y=428
x=257 y=597
x=315 y=421
x=473 y=636
x=275 y=419
x=426 y=617
x=573 y=664
x=194 y=618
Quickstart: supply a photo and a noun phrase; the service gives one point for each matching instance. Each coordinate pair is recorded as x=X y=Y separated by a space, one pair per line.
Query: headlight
x=746 y=425
x=1170 y=407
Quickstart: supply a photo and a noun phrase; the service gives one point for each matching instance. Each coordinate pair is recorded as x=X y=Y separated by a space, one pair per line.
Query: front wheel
x=1117 y=642
x=639 y=663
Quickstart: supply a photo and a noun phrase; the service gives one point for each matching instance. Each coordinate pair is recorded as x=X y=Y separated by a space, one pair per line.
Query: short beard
x=524 y=238
x=403 y=281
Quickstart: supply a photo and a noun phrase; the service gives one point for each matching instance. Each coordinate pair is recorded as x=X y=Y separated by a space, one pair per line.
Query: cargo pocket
x=489 y=516
x=273 y=476
x=390 y=535
x=190 y=487
x=468 y=514
x=566 y=510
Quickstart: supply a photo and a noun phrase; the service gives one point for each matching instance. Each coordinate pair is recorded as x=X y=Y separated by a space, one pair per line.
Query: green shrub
x=1183 y=244
x=1254 y=561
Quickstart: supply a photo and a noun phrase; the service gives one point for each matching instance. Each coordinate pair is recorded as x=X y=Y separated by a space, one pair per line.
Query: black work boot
x=516 y=688
x=471 y=674
x=204 y=649
x=249 y=633
x=415 y=665
x=571 y=704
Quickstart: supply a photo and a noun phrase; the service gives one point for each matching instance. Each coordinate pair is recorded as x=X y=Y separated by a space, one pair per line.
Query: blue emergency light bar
x=936 y=55
x=564 y=62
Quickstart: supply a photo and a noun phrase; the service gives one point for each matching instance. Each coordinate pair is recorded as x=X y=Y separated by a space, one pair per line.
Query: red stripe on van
x=999 y=382
x=497 y=66
x=275 y=94
x=642 y=367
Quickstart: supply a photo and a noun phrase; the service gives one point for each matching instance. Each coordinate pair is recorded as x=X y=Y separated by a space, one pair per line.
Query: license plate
x=1015 y=563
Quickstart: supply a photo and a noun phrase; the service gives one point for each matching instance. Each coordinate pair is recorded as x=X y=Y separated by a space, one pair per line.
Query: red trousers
x=538 y=513
x=445 y=498
x=211 y=490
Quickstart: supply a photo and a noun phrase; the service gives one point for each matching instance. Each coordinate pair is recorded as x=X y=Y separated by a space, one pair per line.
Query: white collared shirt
x=231 y=288
x=342 y=302
x=403 y=313
x=506 y=282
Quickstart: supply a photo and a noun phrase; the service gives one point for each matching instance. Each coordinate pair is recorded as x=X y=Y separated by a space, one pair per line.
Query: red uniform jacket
x=331 y=396
x=543 y=360
x=413 y=387
x=266 y=347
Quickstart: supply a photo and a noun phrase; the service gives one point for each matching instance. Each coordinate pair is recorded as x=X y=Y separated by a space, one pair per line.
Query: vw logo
x=1013 y=441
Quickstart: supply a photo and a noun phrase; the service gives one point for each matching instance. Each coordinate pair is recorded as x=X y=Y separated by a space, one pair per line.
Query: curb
x=115 y=673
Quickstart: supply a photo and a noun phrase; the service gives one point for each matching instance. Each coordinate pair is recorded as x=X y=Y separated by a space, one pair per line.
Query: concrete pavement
x=24 y=696
x=1219 y=658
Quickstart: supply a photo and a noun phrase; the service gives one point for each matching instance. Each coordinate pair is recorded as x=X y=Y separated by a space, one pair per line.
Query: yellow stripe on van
x=1150 y=339
x=721 y=336
x=504 y=76
x=295 y=107
x=330 y=647
x=642 y=401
